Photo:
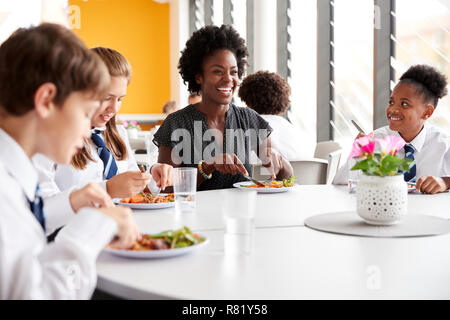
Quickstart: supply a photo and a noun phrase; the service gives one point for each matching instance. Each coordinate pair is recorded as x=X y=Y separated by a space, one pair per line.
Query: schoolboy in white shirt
x=412 y=102
x=50 y=86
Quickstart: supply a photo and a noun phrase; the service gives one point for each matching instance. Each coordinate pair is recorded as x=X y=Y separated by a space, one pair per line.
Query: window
x=423 y=37
x=352 y=68
x=303 y=65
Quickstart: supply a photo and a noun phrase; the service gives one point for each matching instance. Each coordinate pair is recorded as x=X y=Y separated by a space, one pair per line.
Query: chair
x=333 y=165
x=323 y=149
x=310 y=171
x=137 y=143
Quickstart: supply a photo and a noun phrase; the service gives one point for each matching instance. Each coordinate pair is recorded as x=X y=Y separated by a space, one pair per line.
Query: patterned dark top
x=188 y=134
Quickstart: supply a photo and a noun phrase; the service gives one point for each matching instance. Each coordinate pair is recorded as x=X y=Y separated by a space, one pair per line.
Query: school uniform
x=430 y=149
x=57 y=178
x=56 y=182
x=29 y=267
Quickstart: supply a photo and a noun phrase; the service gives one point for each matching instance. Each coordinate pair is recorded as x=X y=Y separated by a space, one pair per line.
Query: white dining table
x=283 y=259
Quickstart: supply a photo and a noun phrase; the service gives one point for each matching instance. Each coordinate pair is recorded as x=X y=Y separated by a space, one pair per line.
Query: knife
x=260 y=184
x=358 y=127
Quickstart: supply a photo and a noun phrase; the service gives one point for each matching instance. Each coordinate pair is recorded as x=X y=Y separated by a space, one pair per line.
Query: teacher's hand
x=273 y=160
x=224 y=163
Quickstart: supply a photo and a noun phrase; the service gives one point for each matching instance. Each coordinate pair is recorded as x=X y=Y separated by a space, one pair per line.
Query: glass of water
x=184 y=187
x=238 y=210
x=352 y=183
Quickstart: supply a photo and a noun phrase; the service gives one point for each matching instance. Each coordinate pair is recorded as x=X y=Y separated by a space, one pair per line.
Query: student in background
x=42 y=110
x=268 y=94
x=412 y=103
x=194 y=98
x=170 y=107
x=106 y=156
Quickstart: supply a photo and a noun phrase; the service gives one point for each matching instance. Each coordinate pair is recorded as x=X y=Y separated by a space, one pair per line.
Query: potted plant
x=381 y=193
x=132 y=128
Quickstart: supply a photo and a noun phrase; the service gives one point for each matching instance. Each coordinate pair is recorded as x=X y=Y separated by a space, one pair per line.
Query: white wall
x=179 y=34
x=18 y=13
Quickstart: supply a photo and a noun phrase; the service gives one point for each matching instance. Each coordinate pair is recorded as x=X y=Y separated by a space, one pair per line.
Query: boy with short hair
x=50 y=86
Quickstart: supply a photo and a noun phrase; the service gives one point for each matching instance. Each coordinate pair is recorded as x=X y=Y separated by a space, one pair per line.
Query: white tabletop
x=282 y=209
x=287 y=260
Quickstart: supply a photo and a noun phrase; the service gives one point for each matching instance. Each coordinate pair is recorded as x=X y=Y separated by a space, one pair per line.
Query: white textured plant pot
x=132 y=133
x=381 y=200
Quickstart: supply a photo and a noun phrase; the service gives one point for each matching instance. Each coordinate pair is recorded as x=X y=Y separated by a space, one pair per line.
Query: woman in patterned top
x=215 y=135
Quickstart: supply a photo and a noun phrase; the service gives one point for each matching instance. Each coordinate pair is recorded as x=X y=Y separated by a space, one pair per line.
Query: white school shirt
x=288 y=139
x=431 y=154
x=56 y=178
x=29 y=267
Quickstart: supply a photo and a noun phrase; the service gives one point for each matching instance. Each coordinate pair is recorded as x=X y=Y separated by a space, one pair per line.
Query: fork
x=152 y=188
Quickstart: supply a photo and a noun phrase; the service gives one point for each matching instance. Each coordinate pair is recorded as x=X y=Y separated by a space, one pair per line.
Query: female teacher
x=214 y=135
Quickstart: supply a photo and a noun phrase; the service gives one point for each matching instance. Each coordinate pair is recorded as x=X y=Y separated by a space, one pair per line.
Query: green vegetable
x=180 y=238
x=182 y=244
x=289 y=182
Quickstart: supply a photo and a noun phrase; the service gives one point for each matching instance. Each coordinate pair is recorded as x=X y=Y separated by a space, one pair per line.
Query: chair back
x=324 y=148
x=333 y=165
x=310 y=171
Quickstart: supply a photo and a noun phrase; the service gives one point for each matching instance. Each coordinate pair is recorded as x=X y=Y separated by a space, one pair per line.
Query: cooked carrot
x=137 y=199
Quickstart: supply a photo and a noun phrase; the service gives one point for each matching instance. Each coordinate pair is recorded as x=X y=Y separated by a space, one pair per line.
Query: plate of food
x=274 y=186
x=146 y=201
x=169 y=243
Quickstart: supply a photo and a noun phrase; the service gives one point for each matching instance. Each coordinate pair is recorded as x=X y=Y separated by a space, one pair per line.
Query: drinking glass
x=238 y=211
x=184 y=187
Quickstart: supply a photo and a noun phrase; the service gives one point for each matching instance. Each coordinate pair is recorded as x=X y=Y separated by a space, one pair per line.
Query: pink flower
x=391 y=144
x=134 y=123
x=369 y=148
x=362 y=146
x=125 y=124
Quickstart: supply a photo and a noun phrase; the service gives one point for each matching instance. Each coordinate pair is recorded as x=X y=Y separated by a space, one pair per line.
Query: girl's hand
x=92 y=195
x=127 y=230
x=360 y=135
x=224 y=163
x=162 y=173
x=127 y=184
x=431 y=185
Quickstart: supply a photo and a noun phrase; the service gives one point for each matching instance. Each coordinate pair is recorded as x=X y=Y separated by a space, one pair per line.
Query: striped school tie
x=409 y=153
x=109 y=163
x=37 y=207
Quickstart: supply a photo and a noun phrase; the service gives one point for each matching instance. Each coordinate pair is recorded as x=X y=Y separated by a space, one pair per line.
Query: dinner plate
x=241 y=185
x=146 y=206
x=156 y=254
